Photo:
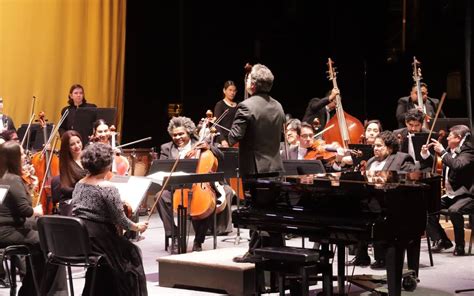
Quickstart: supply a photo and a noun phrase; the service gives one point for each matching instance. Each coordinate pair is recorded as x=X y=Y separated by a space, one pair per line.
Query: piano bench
x=287 y=261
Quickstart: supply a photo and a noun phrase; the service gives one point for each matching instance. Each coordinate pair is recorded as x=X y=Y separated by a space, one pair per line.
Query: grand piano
x=344 y=208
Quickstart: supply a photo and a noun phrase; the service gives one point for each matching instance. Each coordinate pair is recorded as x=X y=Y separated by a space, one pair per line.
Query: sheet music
x=159 y=176
x=132 y=189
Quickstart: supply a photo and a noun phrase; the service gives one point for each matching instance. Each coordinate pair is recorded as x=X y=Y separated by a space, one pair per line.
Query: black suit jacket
x=170 y=151
x=257 y=127
x=396 y=162
x=405 y=104
x=316 y=108
x=461 y=168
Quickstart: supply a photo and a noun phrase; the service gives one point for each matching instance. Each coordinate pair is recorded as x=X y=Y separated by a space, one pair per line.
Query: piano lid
x=379 y=179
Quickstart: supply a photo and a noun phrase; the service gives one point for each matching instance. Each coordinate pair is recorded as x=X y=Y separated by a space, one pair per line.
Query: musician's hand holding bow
x=141 y=226
x=437 y=146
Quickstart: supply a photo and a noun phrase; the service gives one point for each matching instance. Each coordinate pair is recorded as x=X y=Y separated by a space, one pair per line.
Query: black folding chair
x=65 y=241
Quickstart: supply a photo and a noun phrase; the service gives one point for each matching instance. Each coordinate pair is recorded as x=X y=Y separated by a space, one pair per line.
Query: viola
x=347 y=129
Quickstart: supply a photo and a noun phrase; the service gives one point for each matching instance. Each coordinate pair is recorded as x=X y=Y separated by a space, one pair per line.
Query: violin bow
x=25 y=136
x=323 y=131
x=175 y=164
x=436 y=117
x=133 y=142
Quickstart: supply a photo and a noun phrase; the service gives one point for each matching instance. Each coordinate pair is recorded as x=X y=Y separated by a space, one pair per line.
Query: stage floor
x=448 y=273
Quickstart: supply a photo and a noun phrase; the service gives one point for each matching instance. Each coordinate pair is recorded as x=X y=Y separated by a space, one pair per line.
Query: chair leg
x=69 y=273
x=12 y=271
x=94 y=270
x=430 y=254
x=33 y=274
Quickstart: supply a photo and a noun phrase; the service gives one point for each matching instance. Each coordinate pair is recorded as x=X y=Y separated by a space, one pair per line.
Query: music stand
x=107 y=114
x=418 y=140
x=187 y=181
x=83 y=121
x=446 y=123
x=36 y=139
x=303 y=167
x=230 y=167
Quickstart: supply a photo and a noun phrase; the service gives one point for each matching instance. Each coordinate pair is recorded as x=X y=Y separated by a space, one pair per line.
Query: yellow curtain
x=48 y=45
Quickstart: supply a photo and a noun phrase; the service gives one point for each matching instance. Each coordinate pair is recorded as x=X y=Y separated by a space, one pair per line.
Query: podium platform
x=213 y=270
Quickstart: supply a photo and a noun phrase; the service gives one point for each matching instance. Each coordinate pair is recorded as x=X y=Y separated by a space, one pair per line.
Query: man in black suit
x=386 y=158
x=410 y=102
x=413 y=125
x=257 y=127
x=458 y=168
x=6 y=122
x=321 y=109
x=185 y=145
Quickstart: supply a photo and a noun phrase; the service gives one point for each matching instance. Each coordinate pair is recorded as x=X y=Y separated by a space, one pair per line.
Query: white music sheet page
x=132 y=189
x=159 y=176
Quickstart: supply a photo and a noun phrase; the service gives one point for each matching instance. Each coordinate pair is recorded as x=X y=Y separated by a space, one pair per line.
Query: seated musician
x=97 y=202
x=292 y=138
x=321 y=109
x=17 y=229
x=309 y=148
x=386 y=158
x=413 y=125
x=182 y=132
x=70 y=171
x=410 y=102
x=458 y=166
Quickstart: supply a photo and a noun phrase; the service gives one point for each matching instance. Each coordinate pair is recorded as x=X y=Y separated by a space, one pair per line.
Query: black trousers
x=457 y=206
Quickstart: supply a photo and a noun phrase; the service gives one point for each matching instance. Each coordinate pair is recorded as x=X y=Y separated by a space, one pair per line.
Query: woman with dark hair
x=371 y=130
x=70 y=169
x=100 y=132
x=76 y=99
x=14 y=210
x=227 y=103
x=97 y=202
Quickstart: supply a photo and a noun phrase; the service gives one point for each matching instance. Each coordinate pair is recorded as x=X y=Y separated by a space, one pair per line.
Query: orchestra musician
x=458 y=168
x=292 y=138
x=413 y=124
x=6 y=122
x=372 y=129
x=70 y=171
x=321 y=108
x=14 y=213
x=410 y=102
x=97 y=202
x=76 y=99
x=184 y=144
x=257 y=127
x=227 y=103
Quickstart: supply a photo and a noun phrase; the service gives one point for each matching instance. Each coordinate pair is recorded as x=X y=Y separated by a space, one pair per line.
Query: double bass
x=347 y=129
x=419 y=96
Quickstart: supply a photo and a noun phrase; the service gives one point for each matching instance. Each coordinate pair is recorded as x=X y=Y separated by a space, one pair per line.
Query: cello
x=347 y=129
x=46 y=164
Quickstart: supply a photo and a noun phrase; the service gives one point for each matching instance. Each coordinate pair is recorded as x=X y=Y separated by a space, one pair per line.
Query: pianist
x=386 y=158
x=458 y=168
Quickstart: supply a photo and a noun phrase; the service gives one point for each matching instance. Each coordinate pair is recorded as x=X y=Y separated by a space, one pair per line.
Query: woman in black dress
x=227 y=103
x=97 y=202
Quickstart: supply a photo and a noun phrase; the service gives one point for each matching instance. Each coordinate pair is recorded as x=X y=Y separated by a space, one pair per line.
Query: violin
x=318 y=151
